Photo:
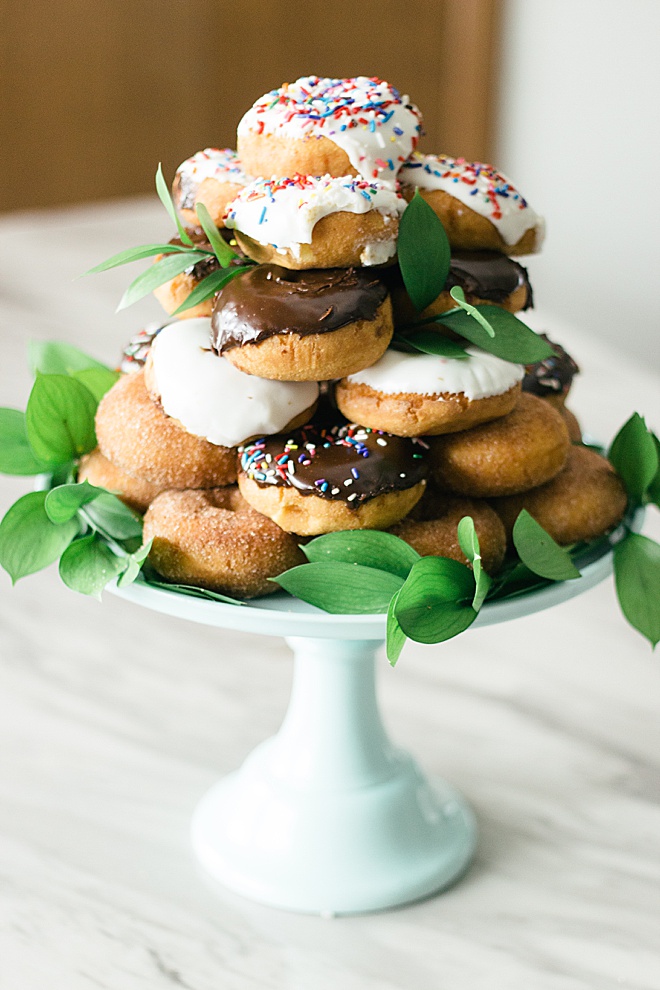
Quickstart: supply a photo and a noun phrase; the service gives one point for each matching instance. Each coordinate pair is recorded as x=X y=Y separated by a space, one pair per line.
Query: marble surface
x=115 y=720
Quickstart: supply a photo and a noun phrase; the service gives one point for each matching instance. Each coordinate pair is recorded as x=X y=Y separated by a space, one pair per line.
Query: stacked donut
x=286 y=380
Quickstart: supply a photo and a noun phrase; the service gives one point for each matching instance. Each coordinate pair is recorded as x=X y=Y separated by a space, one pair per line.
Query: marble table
x=114 y=721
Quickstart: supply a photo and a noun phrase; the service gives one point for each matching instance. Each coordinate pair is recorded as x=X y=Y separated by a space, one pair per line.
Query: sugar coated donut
x=431 y=528
x=135 y=492
x=318 y=480
x=586 y=499
x=509 y=455
x=211 y=398
x=479 y=207
x=215 y=540
x=571 y=420
x=361 y=126
x=306 y=222
x=212 y=177
x=302 y=326
x=135 y=353
x=416 y=394
x=551 y=379
x=136 y=435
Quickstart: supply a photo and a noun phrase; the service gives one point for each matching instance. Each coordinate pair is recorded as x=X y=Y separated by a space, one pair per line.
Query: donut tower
x=284 y=408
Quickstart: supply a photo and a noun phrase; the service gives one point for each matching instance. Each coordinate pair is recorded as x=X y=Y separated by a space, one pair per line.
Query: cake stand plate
x=328 y=816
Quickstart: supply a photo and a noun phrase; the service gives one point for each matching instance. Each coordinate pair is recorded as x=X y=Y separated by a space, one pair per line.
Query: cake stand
x=328 y=816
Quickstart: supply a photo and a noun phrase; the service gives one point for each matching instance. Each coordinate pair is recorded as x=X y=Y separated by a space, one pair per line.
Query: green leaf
x=209 y=286
x=62 y=503
x=109 y=516
x=469 y=544
x=458 y=296
x=157 y=274
x=396 y=638
x=29 y=541
x=136 y=254
x=148 y=577
x=97 y=380
x=338 y=587
x=368 y=547
x=637 y=577
x=88 y=564
x=432 y=605
x=653 y=490
x=60 y=419
x=539 y=552
x=430 y=342
x=135 y=561
x=634 y=456
x=52 y=358
x=164 y=196
x=423 y=251
x=223 y=252
x=513 y=340
x=16 y=455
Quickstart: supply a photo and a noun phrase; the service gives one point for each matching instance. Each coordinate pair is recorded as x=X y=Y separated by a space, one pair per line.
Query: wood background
x=96 y=92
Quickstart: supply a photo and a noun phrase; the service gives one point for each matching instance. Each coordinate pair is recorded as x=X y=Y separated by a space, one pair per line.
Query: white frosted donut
x=210 y=397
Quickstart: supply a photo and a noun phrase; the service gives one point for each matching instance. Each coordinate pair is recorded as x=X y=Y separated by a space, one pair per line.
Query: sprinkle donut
x=302 y=326
x=361 y=126
x=215 y=540
x=479 y=207
x=321 y=480
x=302 y=221
x=212 y=177
x=425 y=394
x=135 y=353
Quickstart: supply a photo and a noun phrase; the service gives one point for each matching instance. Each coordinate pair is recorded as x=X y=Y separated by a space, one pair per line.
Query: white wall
x=579 y=134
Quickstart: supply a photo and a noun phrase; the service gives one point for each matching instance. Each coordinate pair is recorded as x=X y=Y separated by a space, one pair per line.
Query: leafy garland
x=97 y=538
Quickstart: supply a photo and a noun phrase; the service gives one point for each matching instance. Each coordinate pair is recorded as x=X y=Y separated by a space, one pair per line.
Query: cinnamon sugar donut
x=213 y=539
x=360 y=126
x=480 y=209
x=306 y=222
x=212 y=177
x=137 y=493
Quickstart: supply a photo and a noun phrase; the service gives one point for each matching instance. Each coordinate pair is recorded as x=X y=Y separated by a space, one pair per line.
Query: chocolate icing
x=488 y=275
x=347 y=463
x=271 y=300
x=552 y=376
x=211 y=264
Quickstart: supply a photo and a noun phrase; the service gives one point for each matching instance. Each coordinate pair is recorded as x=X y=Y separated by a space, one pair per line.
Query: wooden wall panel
x=95 y=93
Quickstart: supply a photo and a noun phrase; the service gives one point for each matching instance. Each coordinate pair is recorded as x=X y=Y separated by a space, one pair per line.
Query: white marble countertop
x=114 y=721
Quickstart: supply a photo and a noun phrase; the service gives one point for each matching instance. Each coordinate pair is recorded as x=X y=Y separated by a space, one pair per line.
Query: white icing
x=213 y=399
x=221 y=164
x=283 y=212
x=477 y=377
x=366 y=117
x=480 y=187
x=377 y=253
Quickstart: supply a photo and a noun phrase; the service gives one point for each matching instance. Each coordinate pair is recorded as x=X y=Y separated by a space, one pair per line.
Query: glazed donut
x=307 y=222
x=211 y=398
x=137 y=493
x=213 y=539
x=319 y=126
x=425 y=394
x=212 y=177
x=135 y=435
x=431 y=528
x=318 y=480
x=586 y=499
x=174 y=293
x=551 y=379
x=480 y=208
x=510 y=455
x=302 y=326
x=135 y=353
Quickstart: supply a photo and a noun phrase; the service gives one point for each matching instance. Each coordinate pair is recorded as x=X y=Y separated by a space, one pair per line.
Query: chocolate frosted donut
x=305 y=325
x=551 y=378
x=317 y=480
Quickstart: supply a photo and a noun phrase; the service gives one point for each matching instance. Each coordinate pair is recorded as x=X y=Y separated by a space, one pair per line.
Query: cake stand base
x=327 y=817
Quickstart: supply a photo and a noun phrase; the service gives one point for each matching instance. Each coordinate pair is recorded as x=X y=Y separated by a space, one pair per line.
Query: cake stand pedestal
x=328 y=816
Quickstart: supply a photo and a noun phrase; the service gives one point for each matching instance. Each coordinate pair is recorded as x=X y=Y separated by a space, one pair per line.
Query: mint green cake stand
x=329 y=816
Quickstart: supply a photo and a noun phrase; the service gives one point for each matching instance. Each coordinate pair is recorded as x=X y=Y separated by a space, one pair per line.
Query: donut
x=571 y=420
x=361 y=126
x=325 y=222
x=431 y=528
x=211 y=398
x=551 y=379
x=135 y=353
x=522 y=450
x=425 y=394
x=302 y=326
x=137 y=493
x=480 y=209
x=213 y=539
x=320 y=480
x=212 y=177
x=586 y=499
x=174 y=293
x=135 y=435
